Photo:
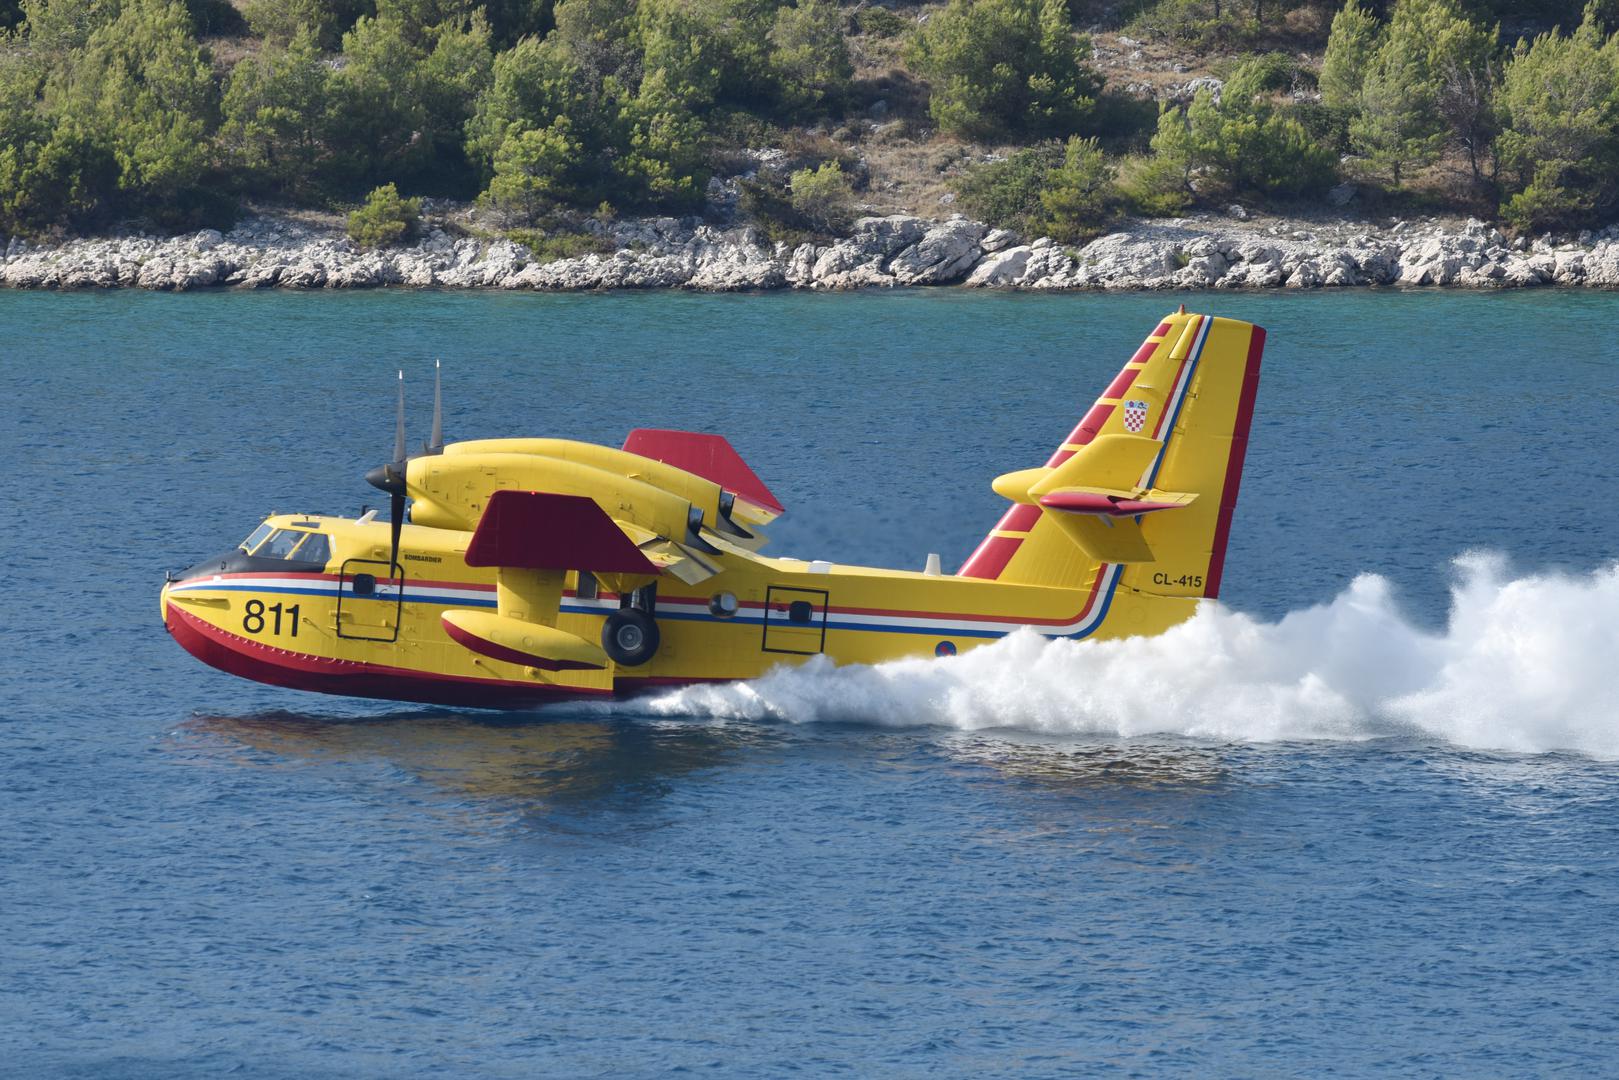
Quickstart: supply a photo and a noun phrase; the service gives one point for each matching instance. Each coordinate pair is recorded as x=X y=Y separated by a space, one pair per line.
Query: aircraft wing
x=535 y=530
x=532 y=539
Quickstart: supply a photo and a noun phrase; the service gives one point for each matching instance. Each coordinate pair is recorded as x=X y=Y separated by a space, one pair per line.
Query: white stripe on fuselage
x=473 y=596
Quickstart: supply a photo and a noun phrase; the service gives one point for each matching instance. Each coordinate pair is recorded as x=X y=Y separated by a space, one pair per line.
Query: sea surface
x=1361 y=818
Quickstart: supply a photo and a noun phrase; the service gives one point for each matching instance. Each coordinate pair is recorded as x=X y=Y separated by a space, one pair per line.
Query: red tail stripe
x=1121 y=382
x=990 y=558
x=1020 y=518
x=1084 y=433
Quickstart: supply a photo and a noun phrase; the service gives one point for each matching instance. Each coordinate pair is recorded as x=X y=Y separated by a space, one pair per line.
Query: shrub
x=1079 y=196
x=823 y=197
x=1248 y=147
x=770 y=206
x=1066 y=191
x=810 y=56
x=879 y=22
x=1350 y=47
x=531 y=170
x=1398 y=125
x=1006 y=67
x=1202 y=24
x=1006 y=193
x=1154 y=186
x=1243 y=145
x=275 y=115
x=385 y=219
x=550 y=246
x=1560 y=146
x=638 y=143
x=143 y=89
x=403 y=97
x=1269 y=73
x=1125 y=120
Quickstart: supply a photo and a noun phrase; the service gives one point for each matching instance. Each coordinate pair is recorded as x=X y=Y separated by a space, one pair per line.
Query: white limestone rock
x=800 y=272
x=1051 y=267
x=1001 y=269
x=737 y=267
x=888 y=236
x=997 y=240
x=945 y=254
x=1124 y=260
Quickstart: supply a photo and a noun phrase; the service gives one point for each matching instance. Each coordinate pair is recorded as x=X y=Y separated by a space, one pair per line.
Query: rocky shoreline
x=1210 y=251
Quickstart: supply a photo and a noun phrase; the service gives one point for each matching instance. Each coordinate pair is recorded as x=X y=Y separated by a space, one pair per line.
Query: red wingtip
x=709 y=456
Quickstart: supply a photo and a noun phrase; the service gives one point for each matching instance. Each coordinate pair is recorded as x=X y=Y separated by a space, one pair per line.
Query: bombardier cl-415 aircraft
x=534 y=570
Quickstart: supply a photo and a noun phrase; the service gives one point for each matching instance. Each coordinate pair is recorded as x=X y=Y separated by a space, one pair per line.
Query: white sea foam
x=1527 y=664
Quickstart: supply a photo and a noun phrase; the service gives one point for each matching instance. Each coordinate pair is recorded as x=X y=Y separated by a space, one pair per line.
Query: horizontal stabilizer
x=535 y=530
x=1110 y=461
x=1118 y=504
x=1106 y=539
x=712 y=458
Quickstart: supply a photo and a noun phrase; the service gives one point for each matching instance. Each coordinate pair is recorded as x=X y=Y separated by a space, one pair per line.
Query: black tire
x=630 y=637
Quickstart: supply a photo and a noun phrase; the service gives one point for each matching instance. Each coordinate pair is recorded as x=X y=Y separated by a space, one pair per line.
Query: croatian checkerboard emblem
x=1135 y=416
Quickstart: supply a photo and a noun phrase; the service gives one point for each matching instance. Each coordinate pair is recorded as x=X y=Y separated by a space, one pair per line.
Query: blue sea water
x=1362 y=819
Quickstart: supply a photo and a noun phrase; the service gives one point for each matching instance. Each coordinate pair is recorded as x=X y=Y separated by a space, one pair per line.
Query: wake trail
x=1529 y=664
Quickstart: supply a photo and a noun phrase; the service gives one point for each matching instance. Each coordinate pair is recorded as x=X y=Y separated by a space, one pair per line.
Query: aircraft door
x=368 y=604
x=795 y=620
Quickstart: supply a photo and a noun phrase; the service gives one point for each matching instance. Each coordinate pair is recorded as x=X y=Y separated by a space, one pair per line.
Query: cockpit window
x=280 y=544
x=256 y=539
x=316 y=548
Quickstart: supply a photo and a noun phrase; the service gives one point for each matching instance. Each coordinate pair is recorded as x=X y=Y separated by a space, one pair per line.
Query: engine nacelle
x=451 y=490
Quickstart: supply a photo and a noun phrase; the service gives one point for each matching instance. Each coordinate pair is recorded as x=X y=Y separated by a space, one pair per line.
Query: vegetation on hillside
x=171 y=113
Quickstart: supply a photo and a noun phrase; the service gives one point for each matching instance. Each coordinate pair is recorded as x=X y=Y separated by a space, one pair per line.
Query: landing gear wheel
x=630 y=637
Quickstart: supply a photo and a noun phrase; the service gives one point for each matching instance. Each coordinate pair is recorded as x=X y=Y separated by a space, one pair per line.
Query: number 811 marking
x=253 y=621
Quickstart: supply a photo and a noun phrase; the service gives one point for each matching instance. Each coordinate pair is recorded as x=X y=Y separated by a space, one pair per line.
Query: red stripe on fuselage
x=296 y=575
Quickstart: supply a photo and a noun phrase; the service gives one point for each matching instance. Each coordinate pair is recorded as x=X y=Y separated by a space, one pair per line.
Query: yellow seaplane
x=535 y=570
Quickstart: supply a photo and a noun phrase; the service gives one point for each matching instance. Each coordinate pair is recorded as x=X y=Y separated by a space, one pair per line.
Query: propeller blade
x=396 y=521
x=438 y=412
x=399 y=424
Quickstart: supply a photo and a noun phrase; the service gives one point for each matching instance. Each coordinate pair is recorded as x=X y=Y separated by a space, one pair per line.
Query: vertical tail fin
x=1147 y=481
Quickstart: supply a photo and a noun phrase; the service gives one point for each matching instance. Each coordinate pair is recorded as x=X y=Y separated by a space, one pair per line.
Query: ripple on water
x=1047 y=864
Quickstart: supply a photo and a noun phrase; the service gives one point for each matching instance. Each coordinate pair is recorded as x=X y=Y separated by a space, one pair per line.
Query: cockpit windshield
x=316 y=548
x=256 y=538
x=280 y=544
x=294 y=545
